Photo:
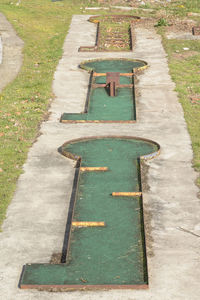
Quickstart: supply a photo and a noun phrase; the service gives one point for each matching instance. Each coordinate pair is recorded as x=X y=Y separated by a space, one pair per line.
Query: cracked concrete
x=35 y=223
x=11 y=52
x=1 y=50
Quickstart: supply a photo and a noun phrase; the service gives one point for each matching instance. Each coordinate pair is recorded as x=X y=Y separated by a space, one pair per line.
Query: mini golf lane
x=114 y=33
x=100 y=106
x=104 y=242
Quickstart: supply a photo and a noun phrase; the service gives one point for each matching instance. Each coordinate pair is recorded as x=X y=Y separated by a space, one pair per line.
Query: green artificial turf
x=110 y=255
x=101 y=106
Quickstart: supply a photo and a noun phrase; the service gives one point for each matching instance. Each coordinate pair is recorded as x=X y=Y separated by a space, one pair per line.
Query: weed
x=162 y=22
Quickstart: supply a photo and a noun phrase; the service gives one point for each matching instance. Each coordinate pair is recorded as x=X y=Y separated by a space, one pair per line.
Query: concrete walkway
x=36 y=218
x=1 y=50
x=10 y=52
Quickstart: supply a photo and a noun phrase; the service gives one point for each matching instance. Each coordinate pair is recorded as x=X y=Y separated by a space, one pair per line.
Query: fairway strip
x=114 y=33
x=109 y=253
x=111 y=94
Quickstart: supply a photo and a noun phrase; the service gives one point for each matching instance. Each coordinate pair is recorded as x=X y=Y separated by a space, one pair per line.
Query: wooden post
x=112 y=81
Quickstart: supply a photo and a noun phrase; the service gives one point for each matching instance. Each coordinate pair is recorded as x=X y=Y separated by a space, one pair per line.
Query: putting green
x=113 y=65
x=100 y=106
x=112 y=255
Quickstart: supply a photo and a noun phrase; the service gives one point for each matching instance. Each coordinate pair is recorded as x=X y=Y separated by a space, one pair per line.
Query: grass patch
x=185 y=72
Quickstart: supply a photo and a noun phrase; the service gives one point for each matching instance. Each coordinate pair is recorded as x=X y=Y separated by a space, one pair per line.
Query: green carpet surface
x=113 y=65
x=110 y=255
x=102 y=107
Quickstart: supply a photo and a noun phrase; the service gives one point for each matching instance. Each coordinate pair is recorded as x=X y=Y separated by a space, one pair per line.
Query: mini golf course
x=104 y=244
x=111 y=95
x=58 y=205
